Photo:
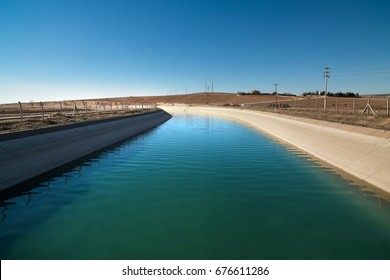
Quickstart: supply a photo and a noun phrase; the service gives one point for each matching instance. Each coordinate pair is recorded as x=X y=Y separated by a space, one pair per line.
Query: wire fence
x=44 y=110
x=364 y=106
x=378 y=106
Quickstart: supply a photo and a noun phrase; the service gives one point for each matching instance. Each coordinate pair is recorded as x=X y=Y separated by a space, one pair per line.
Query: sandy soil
x=379 y=122
x=308 y=108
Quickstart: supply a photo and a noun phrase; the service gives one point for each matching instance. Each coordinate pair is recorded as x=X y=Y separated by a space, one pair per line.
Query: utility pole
x=276 y=87
x=326 y=77
x=206 y=90
x=276 y=93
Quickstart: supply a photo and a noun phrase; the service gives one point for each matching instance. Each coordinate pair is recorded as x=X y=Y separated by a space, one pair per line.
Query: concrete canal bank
x=361 y=152
x=25 y=155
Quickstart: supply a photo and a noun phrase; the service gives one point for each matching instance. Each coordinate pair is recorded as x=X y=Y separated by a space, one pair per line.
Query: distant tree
x=255 y=92
x=335 y=94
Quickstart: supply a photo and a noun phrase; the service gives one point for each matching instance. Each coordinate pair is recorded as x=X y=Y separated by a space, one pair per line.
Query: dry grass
x=307 y=107
x=379 y=122
x=57 y=120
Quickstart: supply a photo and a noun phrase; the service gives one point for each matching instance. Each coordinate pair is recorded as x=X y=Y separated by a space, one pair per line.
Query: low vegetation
x=339 y=109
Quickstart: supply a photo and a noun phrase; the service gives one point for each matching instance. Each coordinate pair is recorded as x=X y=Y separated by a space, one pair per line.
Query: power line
x=359 y=68
x=362 y=71
x=368 y=74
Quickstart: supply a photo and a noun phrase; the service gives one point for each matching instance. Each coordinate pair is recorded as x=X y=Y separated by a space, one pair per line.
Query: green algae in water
x=196 y=187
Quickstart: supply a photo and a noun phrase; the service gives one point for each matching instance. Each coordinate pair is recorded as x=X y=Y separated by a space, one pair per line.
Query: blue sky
x=57 y=50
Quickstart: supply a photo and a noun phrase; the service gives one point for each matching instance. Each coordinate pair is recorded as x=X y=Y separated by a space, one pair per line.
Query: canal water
x=196 y=187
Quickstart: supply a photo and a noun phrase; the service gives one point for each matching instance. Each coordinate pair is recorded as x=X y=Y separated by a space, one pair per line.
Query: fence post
x=96 y=106
x=111 y=106
x=354 y=106
x=75 y=110
x=21 y=111
x=60 y=108
x=388 y=98
x=43 y=112
x=308 y=104
x=368 y=108
x=85 y=106
x=316 y=104
x=337 y=105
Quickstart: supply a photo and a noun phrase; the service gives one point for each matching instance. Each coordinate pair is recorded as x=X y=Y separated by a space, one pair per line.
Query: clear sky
x=75 y=49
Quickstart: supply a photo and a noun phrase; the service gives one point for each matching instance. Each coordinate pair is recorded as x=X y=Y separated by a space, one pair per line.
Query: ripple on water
x=196 y=188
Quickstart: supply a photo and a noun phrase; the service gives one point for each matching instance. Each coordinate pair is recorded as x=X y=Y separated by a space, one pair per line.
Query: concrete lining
x=28 y=154
x=361 y=152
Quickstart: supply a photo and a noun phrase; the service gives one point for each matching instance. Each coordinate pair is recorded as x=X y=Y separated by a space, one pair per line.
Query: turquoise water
x=196 y=187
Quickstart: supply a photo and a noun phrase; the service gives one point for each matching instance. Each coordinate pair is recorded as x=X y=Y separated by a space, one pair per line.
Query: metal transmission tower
x=276 y=87
x=276 y=94
x=206 y=89
x=326 y=77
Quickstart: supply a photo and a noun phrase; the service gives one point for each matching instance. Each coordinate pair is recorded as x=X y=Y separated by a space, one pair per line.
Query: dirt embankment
x=340 y=110
x=379 y=122
x=57 y=119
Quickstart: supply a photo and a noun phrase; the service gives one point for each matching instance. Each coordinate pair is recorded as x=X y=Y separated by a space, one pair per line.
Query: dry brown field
x=342 y=110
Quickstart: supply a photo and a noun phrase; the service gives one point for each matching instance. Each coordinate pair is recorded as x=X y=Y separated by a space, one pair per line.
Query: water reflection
x=33 y=190
x=4 y=213
x=195 y=188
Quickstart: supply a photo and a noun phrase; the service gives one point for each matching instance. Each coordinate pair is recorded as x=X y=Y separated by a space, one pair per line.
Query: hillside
x=201 y=98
